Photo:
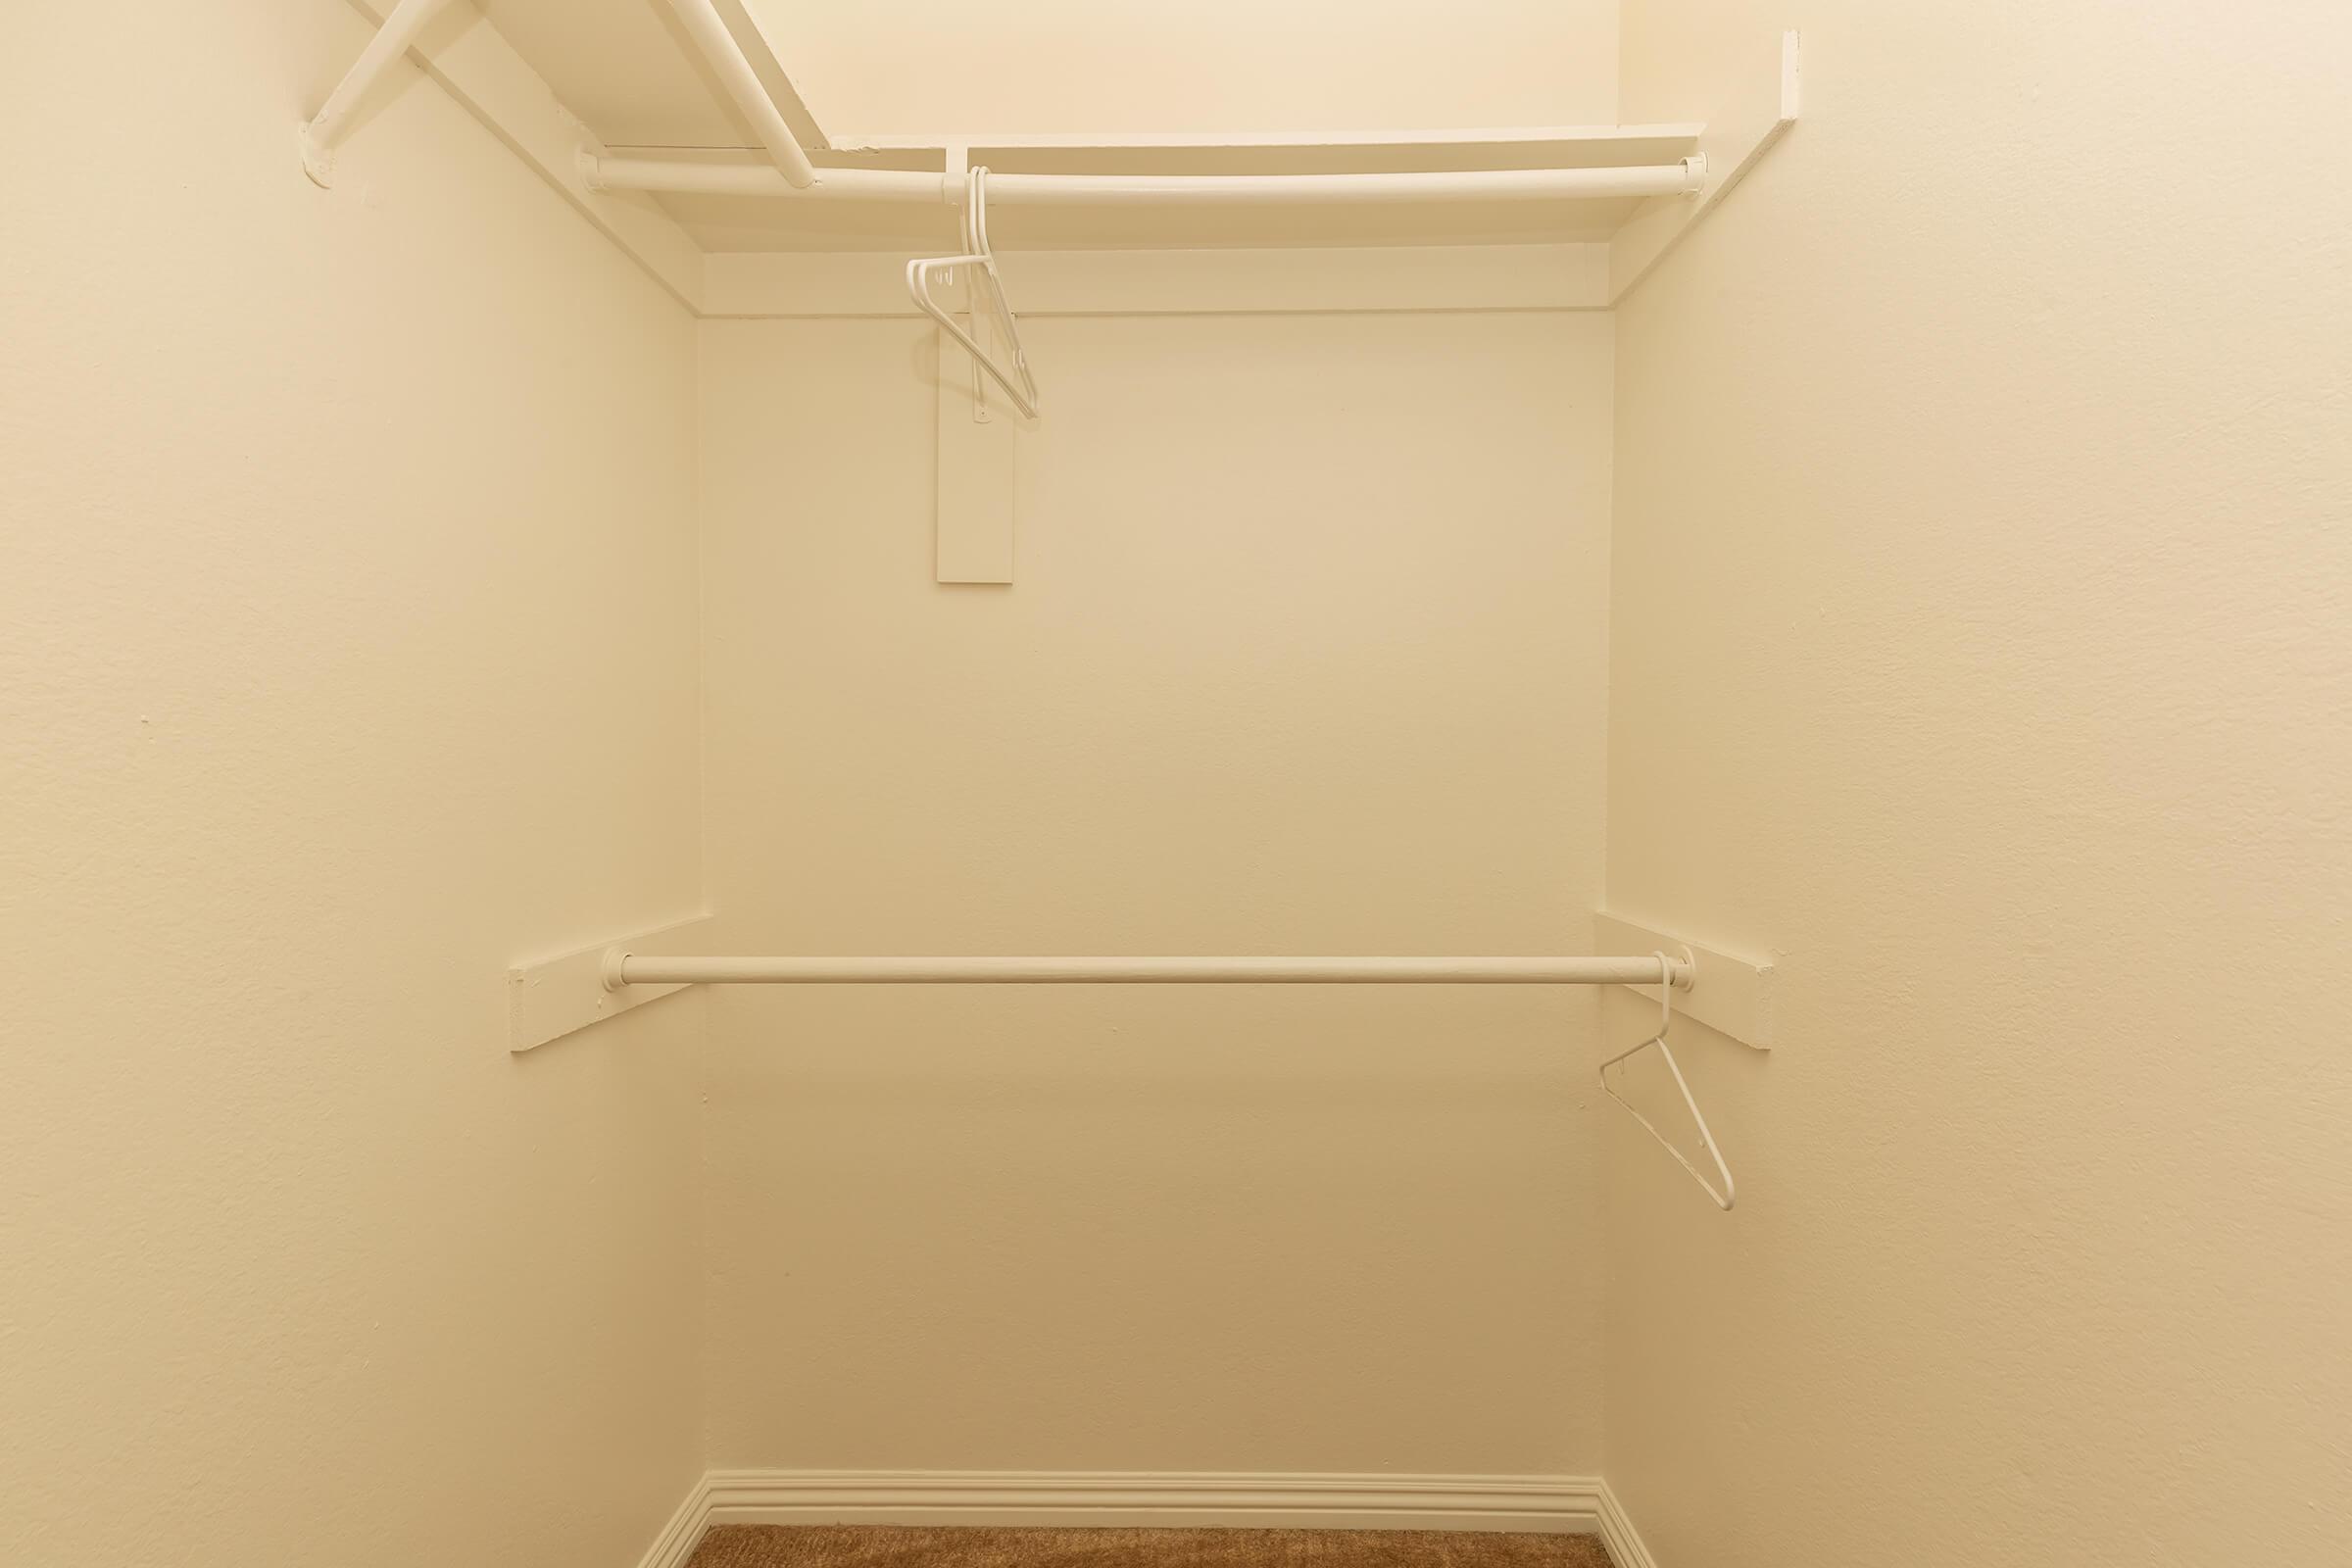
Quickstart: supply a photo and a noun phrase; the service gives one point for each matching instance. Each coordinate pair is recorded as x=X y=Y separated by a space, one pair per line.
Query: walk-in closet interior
x=793 y=783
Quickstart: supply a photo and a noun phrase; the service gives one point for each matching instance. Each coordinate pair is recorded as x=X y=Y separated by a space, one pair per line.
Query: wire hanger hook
x=1727 y=1193
x=987 y=287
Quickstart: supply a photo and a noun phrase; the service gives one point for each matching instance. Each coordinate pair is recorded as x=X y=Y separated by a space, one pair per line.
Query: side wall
x=347 y=597
x=1305 y=656
x=1984 y=641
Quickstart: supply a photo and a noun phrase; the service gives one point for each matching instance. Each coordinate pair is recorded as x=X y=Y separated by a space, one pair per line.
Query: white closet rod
x=1124 y=190
x=623 y=969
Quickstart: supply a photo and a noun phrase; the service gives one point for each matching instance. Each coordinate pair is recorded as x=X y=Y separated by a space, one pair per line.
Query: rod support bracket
x=608 y=969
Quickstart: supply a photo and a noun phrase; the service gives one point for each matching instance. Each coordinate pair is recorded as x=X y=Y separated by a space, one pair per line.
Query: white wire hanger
x=984 y=282
x=1723 y=1195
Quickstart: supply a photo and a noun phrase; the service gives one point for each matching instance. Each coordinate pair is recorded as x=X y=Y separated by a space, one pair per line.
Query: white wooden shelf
x=1372 y=190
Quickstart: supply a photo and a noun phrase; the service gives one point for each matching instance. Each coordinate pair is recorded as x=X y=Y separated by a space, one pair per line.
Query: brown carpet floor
x=912 y=1546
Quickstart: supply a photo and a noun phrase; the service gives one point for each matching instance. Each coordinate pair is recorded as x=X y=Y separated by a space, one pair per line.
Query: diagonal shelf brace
x=324 y=129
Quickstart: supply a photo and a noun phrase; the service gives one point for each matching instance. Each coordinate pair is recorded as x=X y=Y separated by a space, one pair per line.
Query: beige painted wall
x=1079 y=67
x=2001 y=613
x=346 y=652
x=1984 y=640
x=1305 y=656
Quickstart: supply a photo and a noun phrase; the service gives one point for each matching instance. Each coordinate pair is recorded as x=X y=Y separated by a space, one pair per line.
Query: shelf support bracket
x=1760 y=114
x=1733 y=993
x=549 y=997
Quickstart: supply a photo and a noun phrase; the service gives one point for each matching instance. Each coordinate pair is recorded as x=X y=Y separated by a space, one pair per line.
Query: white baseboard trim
x=1557 y=1504
x=684 y=1532
x=1617 y=1532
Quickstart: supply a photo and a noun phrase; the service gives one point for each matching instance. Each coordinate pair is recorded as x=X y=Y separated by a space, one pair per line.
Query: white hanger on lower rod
x=983 y=262
x=1723 y=1196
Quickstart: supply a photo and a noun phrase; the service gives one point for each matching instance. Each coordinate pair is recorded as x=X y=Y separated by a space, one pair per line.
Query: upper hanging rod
x=624 y=969
x=1092 y=190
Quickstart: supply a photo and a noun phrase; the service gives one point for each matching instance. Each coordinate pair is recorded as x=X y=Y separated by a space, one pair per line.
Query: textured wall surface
x=1305 y=655
x=346 y=653
x=1984 y=641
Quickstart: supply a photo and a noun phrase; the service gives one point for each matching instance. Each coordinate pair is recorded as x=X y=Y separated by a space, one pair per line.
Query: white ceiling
x=935 y=67
x=924 y=68
x=624 y=67
x=931 y=70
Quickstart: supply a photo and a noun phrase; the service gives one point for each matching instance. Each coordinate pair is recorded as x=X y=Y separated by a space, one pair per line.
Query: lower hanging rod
x=623 y=969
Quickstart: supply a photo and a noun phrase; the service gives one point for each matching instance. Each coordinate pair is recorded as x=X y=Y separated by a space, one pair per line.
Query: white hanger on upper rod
x=1726 y=1194
x=986 y=283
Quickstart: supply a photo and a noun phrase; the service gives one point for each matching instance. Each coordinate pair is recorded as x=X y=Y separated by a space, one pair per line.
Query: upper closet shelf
x=707 y=147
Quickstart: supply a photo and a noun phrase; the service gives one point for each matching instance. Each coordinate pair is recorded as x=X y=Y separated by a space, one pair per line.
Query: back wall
x=1307 y=655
